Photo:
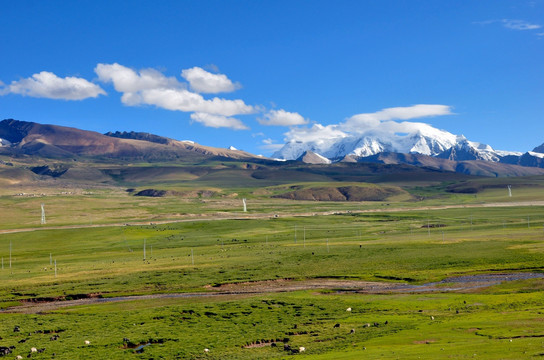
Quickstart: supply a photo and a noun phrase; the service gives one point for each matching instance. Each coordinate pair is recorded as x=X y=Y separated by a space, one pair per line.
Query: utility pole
x=43 y=215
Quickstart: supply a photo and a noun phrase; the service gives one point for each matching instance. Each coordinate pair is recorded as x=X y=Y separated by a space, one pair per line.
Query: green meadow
x=101 y=244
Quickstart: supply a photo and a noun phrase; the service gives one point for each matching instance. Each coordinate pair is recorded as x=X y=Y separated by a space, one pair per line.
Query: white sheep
x=301 y=349
x=33 y=349
x=348 y=309
x=432 y=317
x=19 y=357
x=206 y=350
x=87 y=342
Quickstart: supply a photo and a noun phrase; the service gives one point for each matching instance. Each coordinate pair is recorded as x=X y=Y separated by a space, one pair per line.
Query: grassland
x=96 y=236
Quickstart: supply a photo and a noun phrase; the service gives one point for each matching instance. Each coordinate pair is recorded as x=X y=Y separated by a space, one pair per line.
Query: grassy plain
x=432 y=236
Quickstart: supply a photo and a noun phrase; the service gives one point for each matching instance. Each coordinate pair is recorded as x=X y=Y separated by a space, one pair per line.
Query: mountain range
x=428 y=148
x=422 y=143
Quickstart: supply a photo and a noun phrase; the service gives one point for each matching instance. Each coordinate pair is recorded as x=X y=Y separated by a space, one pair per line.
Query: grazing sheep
x=32 y=350
x=206 y=350
x=432 y=317
x=336 y=325
x=87 y=342
x=19 y=357
x=302 y=349
x=352 y=331
x=366 y=325
x=348 y=309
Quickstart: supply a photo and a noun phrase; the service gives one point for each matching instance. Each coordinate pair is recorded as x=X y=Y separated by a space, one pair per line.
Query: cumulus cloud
x=218 y=121
x=48 y=85
x=203 y=81
x=381 y=122
x=282 y=118
x=151 y=87
x=184 y=100
x=127 y=80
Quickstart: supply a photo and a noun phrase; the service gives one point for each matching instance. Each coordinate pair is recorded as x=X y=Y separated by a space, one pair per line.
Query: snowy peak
x=417 y=139
x=536 y=154
x=469 y=150
x=428 y=144
x=424 y=139
x=4 y=142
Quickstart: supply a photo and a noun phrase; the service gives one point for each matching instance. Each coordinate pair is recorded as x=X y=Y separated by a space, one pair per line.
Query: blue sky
x=249 y=73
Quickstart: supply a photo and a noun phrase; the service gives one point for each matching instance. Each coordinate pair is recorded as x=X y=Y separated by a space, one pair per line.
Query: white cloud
x=151 y=87
x=218 y=121
x=370 y=120
x=203 y=81
x=381 y=122
x=184 y=100
x=282 y=118
x=126 y=80
x=519 y=24
x=48 y=85
x=316 y=132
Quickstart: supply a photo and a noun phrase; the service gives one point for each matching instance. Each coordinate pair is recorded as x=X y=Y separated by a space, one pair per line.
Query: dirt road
x=215 y=217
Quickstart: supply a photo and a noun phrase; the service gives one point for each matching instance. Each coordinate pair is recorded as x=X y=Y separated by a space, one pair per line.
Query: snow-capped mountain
x=4 y=142
x=470 y=150
x=425 y=140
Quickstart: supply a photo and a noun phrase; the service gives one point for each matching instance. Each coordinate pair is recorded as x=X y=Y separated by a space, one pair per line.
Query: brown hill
x=53 y=141
x=344 y=193
x=309 y=157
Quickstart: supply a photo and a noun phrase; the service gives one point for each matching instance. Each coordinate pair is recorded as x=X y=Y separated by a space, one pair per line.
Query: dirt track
x=215 y=217
x=457 y=284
